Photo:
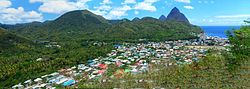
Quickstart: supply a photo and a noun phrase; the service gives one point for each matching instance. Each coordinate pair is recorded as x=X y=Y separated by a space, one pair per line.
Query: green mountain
x=152 y=29
x=74 y=24
x=176 y=15
x=84 y=25
x=79 y=20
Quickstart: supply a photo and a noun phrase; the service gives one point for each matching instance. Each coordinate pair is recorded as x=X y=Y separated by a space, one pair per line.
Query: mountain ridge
x=87 y=25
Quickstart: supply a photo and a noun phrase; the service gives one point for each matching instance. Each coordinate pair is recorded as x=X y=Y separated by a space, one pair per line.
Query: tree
x=240 y=49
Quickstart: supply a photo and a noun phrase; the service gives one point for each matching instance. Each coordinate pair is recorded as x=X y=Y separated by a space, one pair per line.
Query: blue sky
x=199 y=12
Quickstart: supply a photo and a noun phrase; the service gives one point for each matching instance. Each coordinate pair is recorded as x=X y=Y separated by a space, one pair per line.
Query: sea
x=218 y=31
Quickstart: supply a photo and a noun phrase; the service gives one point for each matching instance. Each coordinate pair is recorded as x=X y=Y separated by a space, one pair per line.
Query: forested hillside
x=152 y=29
x=11 y=44
x=82 y=24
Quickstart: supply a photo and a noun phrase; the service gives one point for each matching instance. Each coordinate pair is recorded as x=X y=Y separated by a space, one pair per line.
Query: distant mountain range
x=83 y=24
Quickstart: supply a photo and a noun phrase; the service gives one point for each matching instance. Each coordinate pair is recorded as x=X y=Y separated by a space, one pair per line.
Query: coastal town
x=124 y=44
x=133 y=58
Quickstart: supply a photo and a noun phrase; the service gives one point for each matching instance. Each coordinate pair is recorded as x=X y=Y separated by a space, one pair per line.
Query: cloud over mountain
x=60 y=6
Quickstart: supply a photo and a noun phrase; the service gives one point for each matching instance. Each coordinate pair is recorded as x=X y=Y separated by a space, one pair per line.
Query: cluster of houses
x=46 y=81
x=48 y=44
x=127 y=58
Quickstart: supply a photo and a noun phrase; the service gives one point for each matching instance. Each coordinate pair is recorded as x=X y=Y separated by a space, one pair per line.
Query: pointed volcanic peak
x=80 y=17
x=163 y=18
x=176 y=15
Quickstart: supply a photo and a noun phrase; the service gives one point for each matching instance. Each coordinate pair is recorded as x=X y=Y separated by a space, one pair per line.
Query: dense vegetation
x=152 y=29
x=75 y=32
x=24 y=66
x=11 y=44
x=240 y=50
x=18 y=57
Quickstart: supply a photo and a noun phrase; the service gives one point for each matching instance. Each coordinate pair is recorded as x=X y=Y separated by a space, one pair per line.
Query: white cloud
x=189 y=7
x=136 y=12
x=110 y=12
x=60 y=6
x=146 y=5
x=129 y=2
x=106 y=2
x=9 y=15
x=183 y=1
x=33 y=1
x=57 y=7
x=103 y=7
x=234 y=16
x=207 y=2
x=102 y=10
x=13 y=15
x=116 y=13
x=5 y=3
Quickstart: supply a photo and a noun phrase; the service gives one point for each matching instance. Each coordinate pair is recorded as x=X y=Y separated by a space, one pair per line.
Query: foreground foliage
x=240 y=49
